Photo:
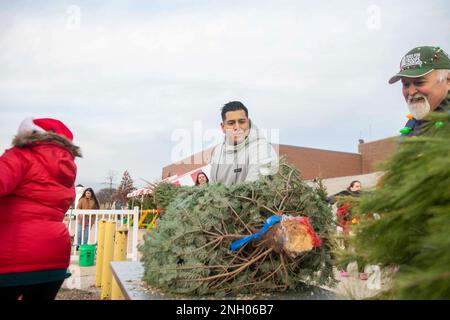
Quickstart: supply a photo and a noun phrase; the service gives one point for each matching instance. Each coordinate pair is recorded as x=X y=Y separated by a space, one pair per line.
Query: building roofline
x=317 y=149
x=375 y=141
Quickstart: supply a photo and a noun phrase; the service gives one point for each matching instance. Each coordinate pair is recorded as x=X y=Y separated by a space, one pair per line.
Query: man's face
x=424 y=94
x=235 y=126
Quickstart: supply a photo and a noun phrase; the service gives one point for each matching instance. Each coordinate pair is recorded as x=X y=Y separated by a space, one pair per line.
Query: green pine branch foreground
x=413 y=200
x=189 y=251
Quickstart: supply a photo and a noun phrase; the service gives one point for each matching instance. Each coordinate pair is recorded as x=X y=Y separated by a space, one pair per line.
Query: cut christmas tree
x=267 y=236
x=413 y=200
x=164 y=193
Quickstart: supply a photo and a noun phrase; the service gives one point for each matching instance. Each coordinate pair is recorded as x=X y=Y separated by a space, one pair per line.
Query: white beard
x=419 y=109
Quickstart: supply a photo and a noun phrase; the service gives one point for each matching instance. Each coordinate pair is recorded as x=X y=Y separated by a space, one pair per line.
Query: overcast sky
x=126 y=76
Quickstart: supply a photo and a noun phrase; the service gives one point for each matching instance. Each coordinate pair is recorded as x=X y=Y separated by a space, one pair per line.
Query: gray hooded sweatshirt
x=243 y=162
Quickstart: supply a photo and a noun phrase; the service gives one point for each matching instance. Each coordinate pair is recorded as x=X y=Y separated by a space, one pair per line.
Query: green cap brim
x=410 y=73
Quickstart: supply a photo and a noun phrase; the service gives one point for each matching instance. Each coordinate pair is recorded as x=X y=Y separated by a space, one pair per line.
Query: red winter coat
x=37 y=180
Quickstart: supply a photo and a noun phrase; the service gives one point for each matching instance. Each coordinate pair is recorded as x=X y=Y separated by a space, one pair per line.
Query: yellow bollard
x=108 y=253
x=100 y=247
x=120 y=254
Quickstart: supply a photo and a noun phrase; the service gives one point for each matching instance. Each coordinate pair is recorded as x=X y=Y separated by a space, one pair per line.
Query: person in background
x=201 y=179
x=344 y=216
x=88 y=201
x=37 y=178
x=353 y=190
x=117 y=205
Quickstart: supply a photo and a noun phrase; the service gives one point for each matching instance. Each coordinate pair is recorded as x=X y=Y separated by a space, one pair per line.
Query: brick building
x=311 y=162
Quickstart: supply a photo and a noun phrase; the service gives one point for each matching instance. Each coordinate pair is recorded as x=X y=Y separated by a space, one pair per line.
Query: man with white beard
x=244 y=154
x=425 y=75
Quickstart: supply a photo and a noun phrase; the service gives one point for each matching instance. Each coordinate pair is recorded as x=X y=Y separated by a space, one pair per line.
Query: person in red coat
x=37 y=177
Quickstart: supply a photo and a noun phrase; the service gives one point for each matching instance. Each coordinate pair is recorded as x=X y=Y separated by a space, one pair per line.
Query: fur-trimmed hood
x=27 y=139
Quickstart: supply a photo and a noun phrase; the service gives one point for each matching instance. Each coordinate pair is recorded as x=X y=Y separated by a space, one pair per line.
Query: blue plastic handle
x=269 y=223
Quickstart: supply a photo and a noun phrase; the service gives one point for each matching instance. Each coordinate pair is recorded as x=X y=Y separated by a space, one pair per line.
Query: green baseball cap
x=421 y=61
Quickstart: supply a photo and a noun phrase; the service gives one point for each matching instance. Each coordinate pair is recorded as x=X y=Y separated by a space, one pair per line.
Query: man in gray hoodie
x=244 y=153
